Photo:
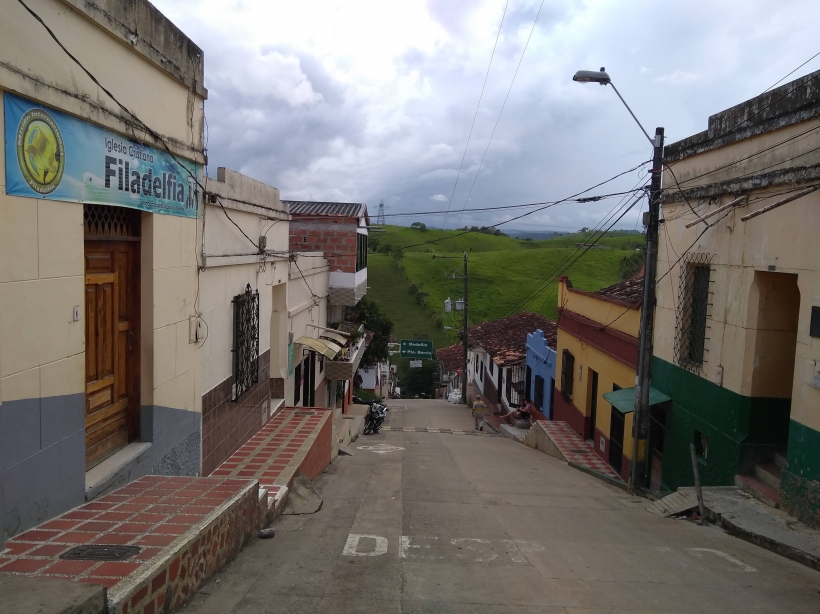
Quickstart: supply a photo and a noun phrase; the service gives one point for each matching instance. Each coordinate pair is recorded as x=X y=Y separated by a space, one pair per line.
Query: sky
x=371 y=100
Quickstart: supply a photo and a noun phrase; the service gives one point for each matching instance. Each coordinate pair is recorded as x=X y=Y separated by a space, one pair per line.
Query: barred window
x=245 y=342
x=693 y=305
x=539 y=392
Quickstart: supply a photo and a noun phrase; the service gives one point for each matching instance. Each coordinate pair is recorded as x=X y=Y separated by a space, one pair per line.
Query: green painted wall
x=741 y=430
x=800 y=480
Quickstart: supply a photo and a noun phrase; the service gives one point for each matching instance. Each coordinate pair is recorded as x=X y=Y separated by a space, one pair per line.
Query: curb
x=609 y=480
x=804 y=558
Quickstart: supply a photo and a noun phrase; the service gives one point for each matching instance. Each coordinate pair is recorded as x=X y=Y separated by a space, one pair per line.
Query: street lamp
x=640 y=421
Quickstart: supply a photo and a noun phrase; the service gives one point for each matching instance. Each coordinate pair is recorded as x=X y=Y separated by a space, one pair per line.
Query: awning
x=325 y=348
x=334 y=336
x=624 y=399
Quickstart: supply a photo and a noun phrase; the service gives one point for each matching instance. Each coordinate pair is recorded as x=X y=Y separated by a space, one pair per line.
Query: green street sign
x=413 y=348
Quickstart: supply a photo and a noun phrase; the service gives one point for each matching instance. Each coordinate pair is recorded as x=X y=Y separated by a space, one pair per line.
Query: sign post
x=414 y=348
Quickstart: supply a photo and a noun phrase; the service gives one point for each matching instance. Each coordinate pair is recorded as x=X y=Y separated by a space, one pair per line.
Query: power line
x=792 y=72
x=530 y=296
x=477 y=107
x=552 y=204
x=500 y=113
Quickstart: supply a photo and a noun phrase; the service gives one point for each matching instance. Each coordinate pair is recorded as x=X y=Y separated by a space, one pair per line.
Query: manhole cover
x=304 y=413
x=101 y=553
x=579 y=451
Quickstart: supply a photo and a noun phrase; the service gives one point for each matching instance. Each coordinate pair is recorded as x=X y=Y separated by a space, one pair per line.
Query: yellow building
x=737 y=337
x=597 y=352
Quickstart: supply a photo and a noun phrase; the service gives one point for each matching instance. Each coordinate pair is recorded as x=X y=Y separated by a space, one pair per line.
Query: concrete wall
x=748 y=354
x=541 y=360
x=307 y=308
x=232 y=263
x=157 y=73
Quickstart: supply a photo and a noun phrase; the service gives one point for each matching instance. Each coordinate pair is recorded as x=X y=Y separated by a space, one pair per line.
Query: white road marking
x=739 y=565
x=381 y=448
x=352 y=545
x=475 y=546
x=405 y=546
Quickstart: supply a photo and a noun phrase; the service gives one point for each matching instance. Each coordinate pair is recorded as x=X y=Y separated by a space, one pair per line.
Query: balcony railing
x=346 y=363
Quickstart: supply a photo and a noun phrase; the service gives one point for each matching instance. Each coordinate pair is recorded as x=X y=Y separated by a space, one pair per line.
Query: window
x=492 y=366
x=694 y=296
x=321 y=363
x=539 y=392
x=245 y=341
x=567 y=368
x=481 y=372
x=701 y=445
x=297 y=384
x=361 y=251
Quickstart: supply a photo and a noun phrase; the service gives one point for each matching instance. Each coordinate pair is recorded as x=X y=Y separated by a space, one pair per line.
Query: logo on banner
x=40 y=151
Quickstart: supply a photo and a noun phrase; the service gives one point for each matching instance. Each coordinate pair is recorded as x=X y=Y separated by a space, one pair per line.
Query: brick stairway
x=575 y=449
x=296 y=439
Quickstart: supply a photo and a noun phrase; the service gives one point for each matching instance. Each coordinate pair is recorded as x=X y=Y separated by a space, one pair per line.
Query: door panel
x=111 y=359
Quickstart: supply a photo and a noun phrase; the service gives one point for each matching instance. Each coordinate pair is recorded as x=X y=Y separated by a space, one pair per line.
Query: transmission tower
x=380 y=215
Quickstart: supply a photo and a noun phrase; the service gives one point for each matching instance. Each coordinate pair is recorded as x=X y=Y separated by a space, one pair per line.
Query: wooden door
x=111 y=354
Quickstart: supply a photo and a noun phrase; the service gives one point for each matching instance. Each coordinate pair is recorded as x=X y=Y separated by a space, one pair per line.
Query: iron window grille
x=694 y=299
x=515 y=385
x=245 y=342
x=110 y=222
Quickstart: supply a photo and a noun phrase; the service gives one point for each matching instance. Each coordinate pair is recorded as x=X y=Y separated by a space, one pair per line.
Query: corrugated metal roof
x=304 y=207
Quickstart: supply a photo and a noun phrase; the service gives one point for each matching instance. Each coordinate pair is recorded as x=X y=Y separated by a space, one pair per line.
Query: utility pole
x=464 y=332
x=640 y=420
x=464 y=339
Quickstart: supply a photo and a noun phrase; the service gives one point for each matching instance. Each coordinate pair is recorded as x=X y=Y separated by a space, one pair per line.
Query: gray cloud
x=304 y=113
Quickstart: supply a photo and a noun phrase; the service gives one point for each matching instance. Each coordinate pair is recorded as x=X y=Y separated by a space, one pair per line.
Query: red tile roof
x=506 y=339
x=452 y=356
x=629 y=291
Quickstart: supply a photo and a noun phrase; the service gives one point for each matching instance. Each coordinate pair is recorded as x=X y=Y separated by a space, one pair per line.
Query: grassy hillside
x=391 y=290
x=502 y=272
x=402 y=237
x=500 y=281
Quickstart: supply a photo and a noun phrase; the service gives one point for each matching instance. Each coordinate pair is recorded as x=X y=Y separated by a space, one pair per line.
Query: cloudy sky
x=363 y=100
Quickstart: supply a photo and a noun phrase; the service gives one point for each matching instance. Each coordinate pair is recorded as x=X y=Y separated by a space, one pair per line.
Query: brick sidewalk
x=575 y=449
x=185 y=529
x=296 y=439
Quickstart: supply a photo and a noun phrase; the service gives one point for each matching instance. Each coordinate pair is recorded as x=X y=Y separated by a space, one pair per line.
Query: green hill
x=503 y=272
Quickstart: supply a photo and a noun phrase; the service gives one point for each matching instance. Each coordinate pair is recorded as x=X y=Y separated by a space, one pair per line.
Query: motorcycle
x=374 y=418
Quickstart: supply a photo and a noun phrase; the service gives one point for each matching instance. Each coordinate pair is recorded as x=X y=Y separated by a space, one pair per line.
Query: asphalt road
x=441 y=522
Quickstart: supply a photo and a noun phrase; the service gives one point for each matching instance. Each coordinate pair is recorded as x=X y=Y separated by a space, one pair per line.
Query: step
x=22 y=595
x=769 y=474
x=130 y=463
x=780 y=460
x=759 y=490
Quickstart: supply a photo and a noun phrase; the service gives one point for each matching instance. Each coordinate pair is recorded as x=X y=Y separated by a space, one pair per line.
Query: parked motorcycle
x=374 y=418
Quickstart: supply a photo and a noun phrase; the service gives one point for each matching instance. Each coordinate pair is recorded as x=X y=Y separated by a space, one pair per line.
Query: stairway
x=765 y=483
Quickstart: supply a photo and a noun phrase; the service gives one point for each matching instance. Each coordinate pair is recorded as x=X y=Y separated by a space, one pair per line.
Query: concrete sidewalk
x=743 y=516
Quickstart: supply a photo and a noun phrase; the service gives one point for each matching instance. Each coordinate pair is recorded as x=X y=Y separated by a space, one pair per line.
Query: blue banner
x=53 y=155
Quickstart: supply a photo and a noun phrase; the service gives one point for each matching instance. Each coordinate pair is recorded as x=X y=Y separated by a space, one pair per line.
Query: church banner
x=53 y=155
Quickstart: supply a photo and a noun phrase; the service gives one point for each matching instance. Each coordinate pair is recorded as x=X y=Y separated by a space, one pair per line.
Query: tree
x=369 y=313
x=419 y=226
x=373 y=244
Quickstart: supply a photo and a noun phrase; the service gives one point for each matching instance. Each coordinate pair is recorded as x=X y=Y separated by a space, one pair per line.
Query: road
x=442 y=522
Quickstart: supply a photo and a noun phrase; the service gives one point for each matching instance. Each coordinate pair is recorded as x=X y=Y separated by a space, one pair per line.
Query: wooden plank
x=99 y=278
x=100 y=383
x=103 y=414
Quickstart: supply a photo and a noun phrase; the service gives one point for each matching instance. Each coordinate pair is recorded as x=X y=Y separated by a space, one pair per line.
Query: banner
x=55 y=156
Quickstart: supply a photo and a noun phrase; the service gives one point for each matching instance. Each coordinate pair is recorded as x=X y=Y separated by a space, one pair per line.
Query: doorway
x=111 y=330
x=593 y=403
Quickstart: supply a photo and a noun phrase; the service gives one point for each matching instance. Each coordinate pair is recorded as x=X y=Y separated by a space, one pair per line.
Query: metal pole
x=640 y=419
x=464 y=339
x=698 y=490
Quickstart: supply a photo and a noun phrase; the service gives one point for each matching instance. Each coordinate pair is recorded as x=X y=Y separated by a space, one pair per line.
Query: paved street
x=442 y=522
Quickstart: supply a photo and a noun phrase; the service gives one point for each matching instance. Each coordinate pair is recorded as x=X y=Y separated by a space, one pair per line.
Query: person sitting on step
x=522 y=413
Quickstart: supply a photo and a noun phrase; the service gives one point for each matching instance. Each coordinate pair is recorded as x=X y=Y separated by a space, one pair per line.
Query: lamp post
x=640 y=421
